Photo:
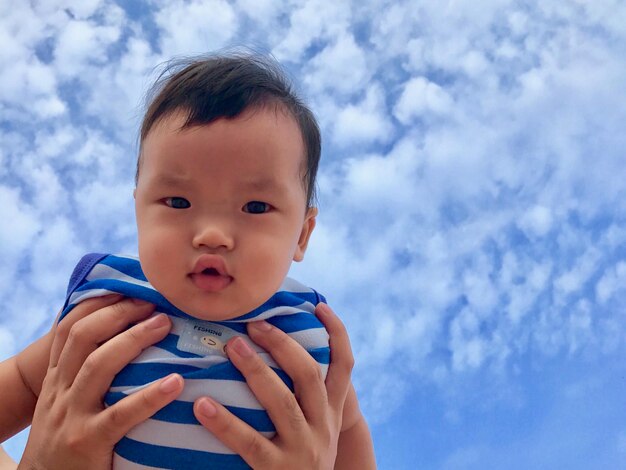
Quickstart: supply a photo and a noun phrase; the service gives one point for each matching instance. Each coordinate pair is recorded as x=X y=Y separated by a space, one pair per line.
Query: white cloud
x=365 y=122
x=81 y=44
x=341 y=68
x=525 y=283
x=310 y=22
x=374 y=183
x=19 y=230
x=49 y=107
x=612 y=281
x=106 y=208
x=7 y=344
x=29 y=78
x=416 y=335
x=480 y=291
x=24 y=224
x=264 y=12
x=97 y=155
x=580 y=333
x=537 y=221
x=573 y=279
x=518 y=23
x=54 y=143
x=57 y=250
x=51 y=197
x=195 y=27
x=82 y=9
x=117 y=91
x=383 y=335
x=421 y=98
x=467 y=353
x=393 y=25
x=384 y=394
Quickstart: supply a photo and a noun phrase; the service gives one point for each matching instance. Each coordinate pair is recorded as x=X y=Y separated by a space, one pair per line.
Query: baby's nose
x=213 y=236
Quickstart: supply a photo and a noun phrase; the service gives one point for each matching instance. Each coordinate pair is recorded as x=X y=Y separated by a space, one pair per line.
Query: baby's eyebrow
x=263 y=184
x=170 y=179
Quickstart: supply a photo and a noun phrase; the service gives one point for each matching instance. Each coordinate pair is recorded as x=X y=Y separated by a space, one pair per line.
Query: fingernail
x=261 y=325
x=206 y=408
x=170 y=384
x=322 y=309
x=157 y=321
x=139 y=302
x=242 y=348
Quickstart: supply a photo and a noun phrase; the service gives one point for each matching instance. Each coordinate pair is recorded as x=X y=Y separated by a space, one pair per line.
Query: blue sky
x=472 y=221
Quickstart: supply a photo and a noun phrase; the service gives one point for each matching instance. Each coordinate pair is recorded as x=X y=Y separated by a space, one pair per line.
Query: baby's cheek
x=149 y=269
x=271 y=275
x=155 y=263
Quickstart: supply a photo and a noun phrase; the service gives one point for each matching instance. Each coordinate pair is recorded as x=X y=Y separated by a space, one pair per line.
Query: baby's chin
x=215 y=311
x=230 y=303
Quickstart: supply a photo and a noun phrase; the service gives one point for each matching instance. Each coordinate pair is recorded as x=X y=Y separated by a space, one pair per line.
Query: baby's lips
x=207 y=261
x=210 y=283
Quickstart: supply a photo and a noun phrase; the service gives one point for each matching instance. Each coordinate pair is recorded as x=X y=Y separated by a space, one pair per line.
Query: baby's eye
x=177 y=202
x=256 y=207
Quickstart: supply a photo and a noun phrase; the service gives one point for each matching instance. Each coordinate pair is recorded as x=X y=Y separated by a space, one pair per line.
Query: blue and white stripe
x=173 y=438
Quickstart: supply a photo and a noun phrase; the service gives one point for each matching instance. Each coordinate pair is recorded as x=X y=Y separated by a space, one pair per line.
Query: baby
x=224 y=203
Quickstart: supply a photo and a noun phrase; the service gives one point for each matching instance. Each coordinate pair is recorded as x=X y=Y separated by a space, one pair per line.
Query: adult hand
x=307 y=423
x=6 y=462
x=71 y=428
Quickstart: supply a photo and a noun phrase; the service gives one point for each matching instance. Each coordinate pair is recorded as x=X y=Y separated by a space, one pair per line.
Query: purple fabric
x=81 y=270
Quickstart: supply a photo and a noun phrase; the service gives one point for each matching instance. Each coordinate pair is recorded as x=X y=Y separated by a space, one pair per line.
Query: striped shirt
x=173 y=438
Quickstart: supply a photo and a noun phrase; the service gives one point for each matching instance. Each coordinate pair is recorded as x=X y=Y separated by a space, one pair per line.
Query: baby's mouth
x=210 y=273
x=210 y=280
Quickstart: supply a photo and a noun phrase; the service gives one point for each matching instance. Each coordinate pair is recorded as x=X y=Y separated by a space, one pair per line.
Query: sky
x=472 y=227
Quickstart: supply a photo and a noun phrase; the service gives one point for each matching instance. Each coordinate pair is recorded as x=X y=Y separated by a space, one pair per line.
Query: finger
x=114 y=422
x=281 y=405
x=238 y=436
x=96 y=374
x=341 y=358
x=62 y=330
x=303 y=370
x=89 y=332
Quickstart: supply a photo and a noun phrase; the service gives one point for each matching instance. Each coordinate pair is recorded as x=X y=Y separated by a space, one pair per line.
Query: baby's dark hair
x=224 y=86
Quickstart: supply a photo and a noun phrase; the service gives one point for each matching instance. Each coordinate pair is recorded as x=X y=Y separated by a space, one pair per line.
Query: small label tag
x=204 y=338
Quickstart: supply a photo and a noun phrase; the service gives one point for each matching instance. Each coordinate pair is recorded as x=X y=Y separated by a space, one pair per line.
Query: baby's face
x=221 y=210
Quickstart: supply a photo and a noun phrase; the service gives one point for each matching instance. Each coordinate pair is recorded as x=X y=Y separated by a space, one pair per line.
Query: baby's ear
x=305 y=234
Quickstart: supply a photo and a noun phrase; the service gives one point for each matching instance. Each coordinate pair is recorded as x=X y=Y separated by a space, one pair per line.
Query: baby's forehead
x=180 y=121
x=188 y=119
x=246 y=182
x=260 y=147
